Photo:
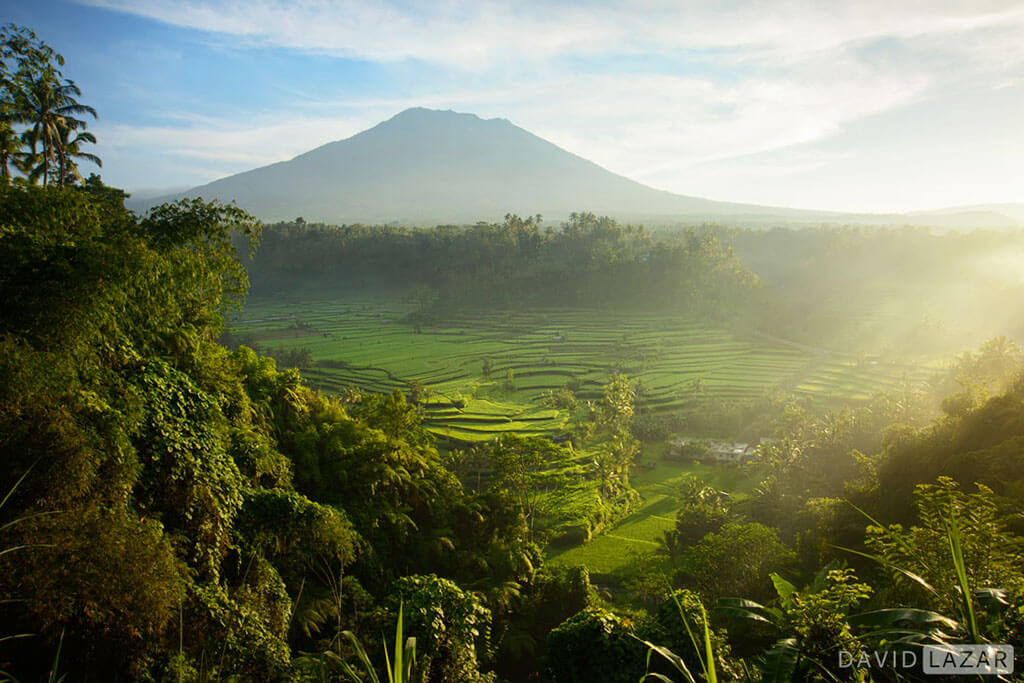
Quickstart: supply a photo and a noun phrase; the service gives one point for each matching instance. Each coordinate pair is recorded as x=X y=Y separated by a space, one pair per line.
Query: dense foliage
x=184 y=507
x=181 y=509
x=588 y=260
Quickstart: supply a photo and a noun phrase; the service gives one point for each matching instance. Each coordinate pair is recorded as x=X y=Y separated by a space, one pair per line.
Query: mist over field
x=494 y=342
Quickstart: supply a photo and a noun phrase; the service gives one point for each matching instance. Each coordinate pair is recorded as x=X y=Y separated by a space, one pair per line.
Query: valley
x=478 y=374
x=682 y=364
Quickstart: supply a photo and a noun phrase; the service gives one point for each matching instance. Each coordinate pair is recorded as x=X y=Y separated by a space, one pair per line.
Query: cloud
x=477 y=33
x=231 y=144
x=646 y=127
x=660 y=91
x=651 y=126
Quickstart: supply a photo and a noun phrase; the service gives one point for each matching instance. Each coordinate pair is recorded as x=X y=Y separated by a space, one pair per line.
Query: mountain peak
x=428 y=166
x=426 y=116
x=423 y=112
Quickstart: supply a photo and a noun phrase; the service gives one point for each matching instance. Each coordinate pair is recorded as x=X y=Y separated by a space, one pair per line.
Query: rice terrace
x=681 y=364
x=480 y=374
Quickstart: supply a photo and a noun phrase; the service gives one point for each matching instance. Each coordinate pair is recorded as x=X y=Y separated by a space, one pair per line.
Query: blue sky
x=867 y=106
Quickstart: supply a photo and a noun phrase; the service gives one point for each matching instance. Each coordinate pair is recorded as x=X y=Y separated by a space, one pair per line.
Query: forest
x=589 y=260
x=932 y=291
x=177 y=505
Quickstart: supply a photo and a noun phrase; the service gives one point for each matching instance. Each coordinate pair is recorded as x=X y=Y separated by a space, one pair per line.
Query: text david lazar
x=937 y=659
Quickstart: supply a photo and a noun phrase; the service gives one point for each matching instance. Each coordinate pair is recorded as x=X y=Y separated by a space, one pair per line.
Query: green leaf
x=886 y=563
x=363 y=657
x=745 y=614
x=779 y=662
x=956 y=550
x=675 y=660
x=53 y=677
x=891 y=617
x=782 y=587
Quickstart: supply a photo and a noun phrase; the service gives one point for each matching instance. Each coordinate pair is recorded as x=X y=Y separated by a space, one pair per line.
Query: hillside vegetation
x=181 y=510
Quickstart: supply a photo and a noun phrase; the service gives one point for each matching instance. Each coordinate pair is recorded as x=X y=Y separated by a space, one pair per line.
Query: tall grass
x=912 y=625
x=704 y=650
x=400 y=668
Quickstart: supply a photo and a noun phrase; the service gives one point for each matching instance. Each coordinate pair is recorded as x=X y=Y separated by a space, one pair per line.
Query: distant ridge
x=428 y=167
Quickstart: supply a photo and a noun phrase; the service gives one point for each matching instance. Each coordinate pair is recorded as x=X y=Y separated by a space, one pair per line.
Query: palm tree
x=51 y=107
x=12 y=155
x=67 y=168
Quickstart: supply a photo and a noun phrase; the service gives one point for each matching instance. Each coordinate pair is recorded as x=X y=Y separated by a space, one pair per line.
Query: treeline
x=589 y=260
x=877 y=291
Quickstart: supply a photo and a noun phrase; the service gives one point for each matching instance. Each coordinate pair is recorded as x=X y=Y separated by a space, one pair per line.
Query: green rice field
x=368 y=342
x=364 y=341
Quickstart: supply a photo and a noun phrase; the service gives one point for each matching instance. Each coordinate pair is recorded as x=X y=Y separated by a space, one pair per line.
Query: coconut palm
x=70 y=150
x=12 y=155
x=51 y=108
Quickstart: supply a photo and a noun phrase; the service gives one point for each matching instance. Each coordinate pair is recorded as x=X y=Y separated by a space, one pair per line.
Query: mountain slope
x=429 y=167
x=425 y=167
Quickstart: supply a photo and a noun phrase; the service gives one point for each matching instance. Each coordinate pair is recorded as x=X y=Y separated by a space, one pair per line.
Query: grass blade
x=397 y=676
x=916 y=578
x=54 y=678
x=707 y=659
x=671 y=657
x=956 y=550
x=709 y=653
x=363 y=657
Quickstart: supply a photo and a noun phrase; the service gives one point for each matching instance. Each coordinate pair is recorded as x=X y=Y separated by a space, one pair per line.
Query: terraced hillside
x=612 y=555
x=486 y=371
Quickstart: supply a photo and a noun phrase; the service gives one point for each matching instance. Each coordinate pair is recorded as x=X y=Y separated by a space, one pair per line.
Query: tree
x=526 y=468
x=419 y=393
x=470 y=465
x=450 y=624
x=12 y=158
x=108 y=577
x=595 y=645
x=23 y=57
x=68 y=169
x=812 y=626
x=21 y=53
x=144 y=435
x=554 y=595
x=702 y=510
x=617 y=446
x=735 y=561
x=35 y=94
x=50 y=111
x=617 y=403
x=991 y=554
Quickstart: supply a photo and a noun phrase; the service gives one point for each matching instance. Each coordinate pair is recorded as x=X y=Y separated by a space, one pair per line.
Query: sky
x=859 y=105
